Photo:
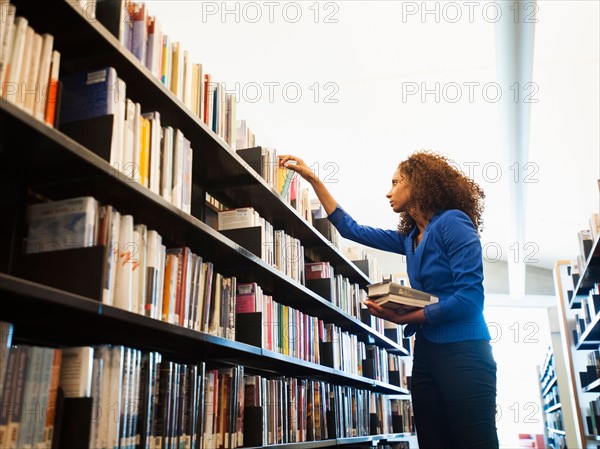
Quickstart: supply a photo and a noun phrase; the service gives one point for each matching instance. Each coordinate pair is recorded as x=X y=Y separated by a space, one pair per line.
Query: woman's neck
x=421 y=221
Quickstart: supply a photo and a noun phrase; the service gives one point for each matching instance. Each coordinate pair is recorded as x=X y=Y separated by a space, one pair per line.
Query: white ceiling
x=374 y=52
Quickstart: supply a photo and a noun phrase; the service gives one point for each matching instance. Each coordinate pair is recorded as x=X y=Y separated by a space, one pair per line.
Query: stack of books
x=392 y=295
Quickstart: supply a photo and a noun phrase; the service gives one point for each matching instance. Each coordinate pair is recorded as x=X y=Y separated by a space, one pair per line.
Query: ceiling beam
x=515 y=32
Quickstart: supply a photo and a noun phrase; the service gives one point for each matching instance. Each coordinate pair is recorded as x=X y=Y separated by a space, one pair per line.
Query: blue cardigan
x=447 y=263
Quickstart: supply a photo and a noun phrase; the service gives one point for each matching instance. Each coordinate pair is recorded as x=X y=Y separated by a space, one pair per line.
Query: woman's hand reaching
x=298 y=165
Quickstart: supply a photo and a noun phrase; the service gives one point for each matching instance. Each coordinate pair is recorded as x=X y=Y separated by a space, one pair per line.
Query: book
x=400 y=302
x=6 y=334
x=386 y=287
x=63 y=224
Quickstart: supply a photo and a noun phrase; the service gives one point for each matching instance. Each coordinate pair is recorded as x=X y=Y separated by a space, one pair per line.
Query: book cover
x=402 y=303
x=86 y=94
x=56 y=225
x=388 y=287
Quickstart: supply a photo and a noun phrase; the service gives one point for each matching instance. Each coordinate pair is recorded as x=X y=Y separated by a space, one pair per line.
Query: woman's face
x=399 y=194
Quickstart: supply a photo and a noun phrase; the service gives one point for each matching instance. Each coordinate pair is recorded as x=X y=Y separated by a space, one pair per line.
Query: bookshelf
x=39 y=160
x=552 y=407
x=580 y=335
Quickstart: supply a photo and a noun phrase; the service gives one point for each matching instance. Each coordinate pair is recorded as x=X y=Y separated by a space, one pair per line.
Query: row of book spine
x=287 y=254
x=29 y=66
x=140 y=274
x=141 y=400
x=28 y=396
x=277 y=248
x=175 y=285
x=289 y=331
x=593 y=417
x=142 y=34
x=265 y=162
x=141 y=148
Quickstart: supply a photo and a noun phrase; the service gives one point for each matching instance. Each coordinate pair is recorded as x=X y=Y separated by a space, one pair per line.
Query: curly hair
x=438 y=184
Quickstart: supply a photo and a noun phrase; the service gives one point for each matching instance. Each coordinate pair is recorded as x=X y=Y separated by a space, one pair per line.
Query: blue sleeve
x=463 y=249
x=386 y=240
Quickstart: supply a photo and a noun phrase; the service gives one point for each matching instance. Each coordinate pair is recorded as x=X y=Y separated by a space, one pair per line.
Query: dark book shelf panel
x=215 y=165
x=48 y=316
x=591 y=272
x=58 y=167
x=590 y=338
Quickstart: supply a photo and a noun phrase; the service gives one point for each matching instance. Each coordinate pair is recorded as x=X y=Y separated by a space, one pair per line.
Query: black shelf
x=82 y=321
x=375 y=439
x=304 y=445
x=57 y=157
x=214 y=165
x=590 y=338
x=589 y=276
x=39 y=160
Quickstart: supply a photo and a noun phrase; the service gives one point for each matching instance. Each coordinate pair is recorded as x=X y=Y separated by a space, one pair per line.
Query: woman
x=453 y=385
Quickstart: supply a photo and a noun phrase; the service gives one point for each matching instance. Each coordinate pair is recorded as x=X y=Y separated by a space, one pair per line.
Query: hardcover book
x=392 y=295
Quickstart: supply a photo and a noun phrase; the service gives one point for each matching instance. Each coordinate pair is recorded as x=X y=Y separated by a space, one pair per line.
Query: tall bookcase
x=581 y=339
x=38 y=160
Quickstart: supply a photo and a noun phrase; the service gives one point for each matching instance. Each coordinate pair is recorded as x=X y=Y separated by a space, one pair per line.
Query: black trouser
x=453 y=389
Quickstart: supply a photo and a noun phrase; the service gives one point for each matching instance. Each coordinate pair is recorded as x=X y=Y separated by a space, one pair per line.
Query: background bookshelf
x=50 y=305
x=554 y=425
x=576 y=287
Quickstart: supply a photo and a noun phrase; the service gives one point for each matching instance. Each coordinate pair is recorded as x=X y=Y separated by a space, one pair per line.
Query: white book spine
x=167 y=163
x=124 y=279
x=128 y=163
x=113 y=258
x=44 y=75
x=15 y=62
x=8 y=23
x=32 y=89
x=138 y=288
x=178 y=153
x=25 y=67
x=119 y=102
x=187 y=79
x=76 y=371
x=115 y=401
